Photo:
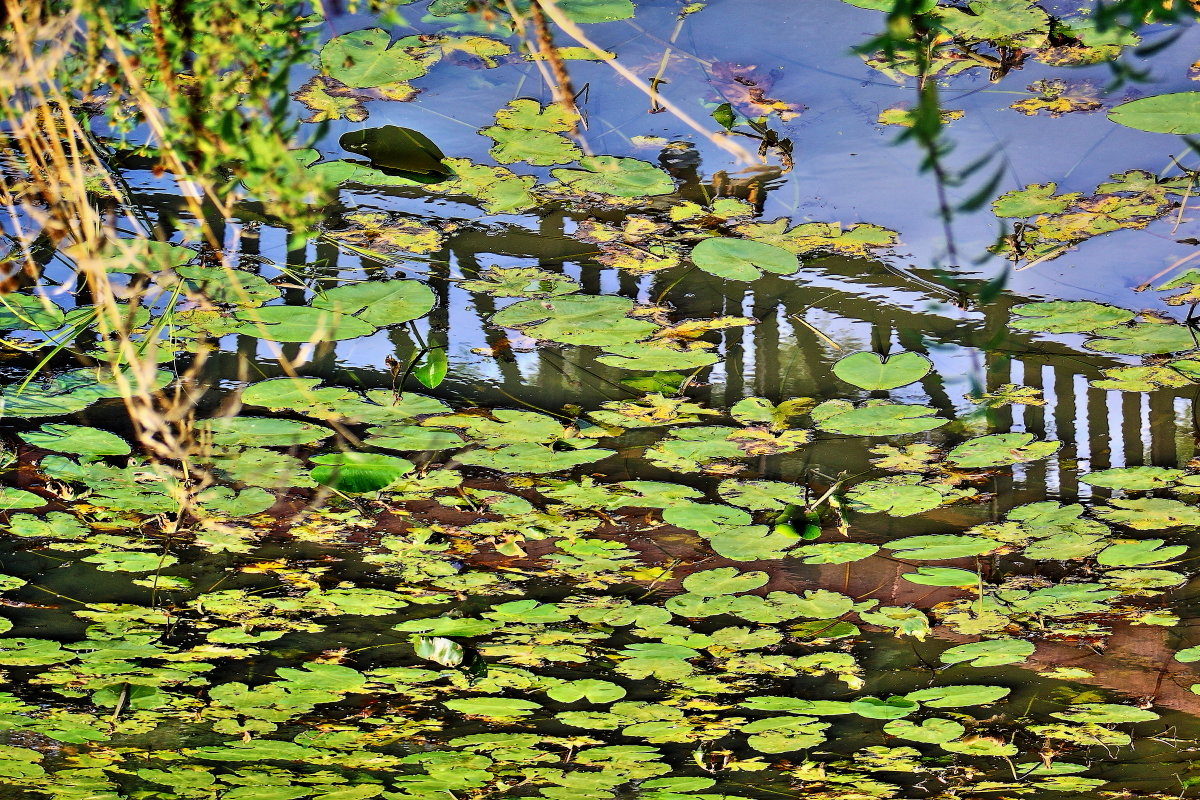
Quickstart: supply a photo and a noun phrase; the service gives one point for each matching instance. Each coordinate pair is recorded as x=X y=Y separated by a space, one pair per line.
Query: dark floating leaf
x=400 y=152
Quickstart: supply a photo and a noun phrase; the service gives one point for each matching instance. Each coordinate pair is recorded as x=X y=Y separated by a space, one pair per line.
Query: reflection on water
x=596 y=572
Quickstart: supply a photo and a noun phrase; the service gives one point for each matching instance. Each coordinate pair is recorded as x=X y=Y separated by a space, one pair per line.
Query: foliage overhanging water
x=595 y=399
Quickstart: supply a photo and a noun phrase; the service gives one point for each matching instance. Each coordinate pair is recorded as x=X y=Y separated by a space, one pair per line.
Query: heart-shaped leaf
x=874 y=372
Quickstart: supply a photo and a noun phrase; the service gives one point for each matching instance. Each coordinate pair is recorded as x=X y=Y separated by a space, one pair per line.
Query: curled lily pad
x=399 y=152
x=874 y=372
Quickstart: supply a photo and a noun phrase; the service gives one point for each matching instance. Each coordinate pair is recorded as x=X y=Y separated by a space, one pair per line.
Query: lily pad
x=722 y=581
x=1133 y=479
x=1000 y=450
x=742 y=259
x=1067 y=316
x=930 y=731
x=367 y=58
x=77 y=439
x=359 y=472
x=1147 y=338
x=940 y=546
x=871 y=371
x=875 y=418
x=262 y=432
x=600 y=320
x=379 y=303
x=992 y=653
x=496 y=707
x=622 y=177
x=1178 y=113
x=300 y=324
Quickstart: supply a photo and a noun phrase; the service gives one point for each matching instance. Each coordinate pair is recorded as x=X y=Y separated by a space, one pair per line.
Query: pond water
x=381 y=423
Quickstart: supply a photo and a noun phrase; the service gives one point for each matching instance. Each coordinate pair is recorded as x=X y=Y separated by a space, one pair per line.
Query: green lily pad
x=653 y=357
x=11 y=498
x=496 y=707
x=878 y=708
x=1067 y=316
x=78 y=440
x=622 y=177
x=1178 y=113
x=1104 y=714
x=1000 y=450
x=411 y=437
x=942 y=576
x=896 y=498
x=723 y=581
x=875 y=418
x=367 y=58
x=520 y=282
x=379 y=303
x=1133 y=479
x=930 y=731
x=958 y=696
x=594 y=691
x=742 y=259
x=1149 y=513
x=262 y=432
x=940 y=546
x=834 y=552
x=27 y=312
x=359 y=472
x=1138 y=553
x=533 y=458
x=871 y=371
x=300 y=324
x=1147 y=338
x=989 y=653
x=539 y=148
x=130 y=561
x=600 y=320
